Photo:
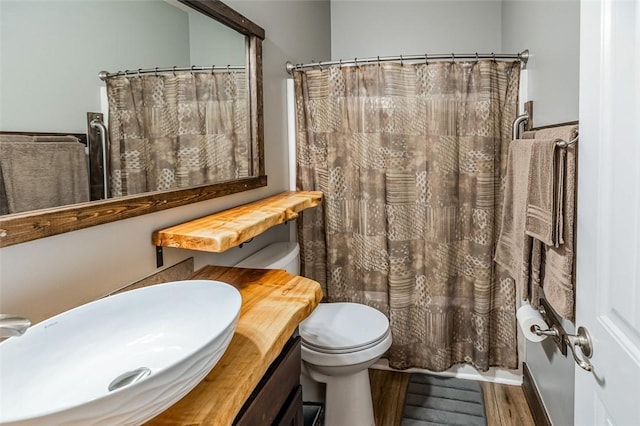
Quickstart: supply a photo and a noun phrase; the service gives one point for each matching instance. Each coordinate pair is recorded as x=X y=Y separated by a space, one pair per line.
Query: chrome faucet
x=12 y=325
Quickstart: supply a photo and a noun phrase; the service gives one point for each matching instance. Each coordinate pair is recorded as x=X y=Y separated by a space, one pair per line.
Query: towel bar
x=563 y=144
x=524 y=118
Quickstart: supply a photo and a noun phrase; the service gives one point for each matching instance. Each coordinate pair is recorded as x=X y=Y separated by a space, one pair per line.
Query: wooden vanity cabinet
x=277 y=399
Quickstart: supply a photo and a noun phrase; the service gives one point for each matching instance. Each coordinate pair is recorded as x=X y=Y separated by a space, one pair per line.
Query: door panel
x=608 y=251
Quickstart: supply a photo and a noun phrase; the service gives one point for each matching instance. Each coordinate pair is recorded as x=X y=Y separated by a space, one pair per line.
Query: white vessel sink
x=149 y=346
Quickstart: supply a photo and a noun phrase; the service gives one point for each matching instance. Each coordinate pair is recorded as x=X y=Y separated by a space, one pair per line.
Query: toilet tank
x=275 y=256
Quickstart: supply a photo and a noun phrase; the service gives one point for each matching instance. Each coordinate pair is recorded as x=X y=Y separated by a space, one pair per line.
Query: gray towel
x=545 y=195
x=15 y=138
x=40 y=175
x=4 y=202
x=556 y=273
x=513 y=250
x=37 y=138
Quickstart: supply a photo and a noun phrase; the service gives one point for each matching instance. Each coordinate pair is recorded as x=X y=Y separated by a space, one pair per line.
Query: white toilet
x=340 y=341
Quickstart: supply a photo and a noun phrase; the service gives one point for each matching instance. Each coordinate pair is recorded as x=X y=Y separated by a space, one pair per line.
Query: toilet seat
x=344 y=334
x=327 y=350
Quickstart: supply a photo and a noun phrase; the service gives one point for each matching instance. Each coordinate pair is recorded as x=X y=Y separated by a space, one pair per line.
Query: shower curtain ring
x=320 y=65
x=401 y=61
x=174 y=71
x=453 y=57
x=126 y=73
x=139 y=69
x=493 y=55
x=156 y=71
x=340 y=63
x=426 y=59
x=378 y=60
x=355 y=61
x=477 y=57
x=192 y=69
x=228 y=66
x=212 y=67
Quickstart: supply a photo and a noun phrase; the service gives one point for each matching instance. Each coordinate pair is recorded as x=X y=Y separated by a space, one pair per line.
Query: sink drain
x=129 y=378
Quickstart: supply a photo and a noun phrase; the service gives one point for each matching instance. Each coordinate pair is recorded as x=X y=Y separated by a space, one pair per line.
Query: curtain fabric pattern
x=175 y=131
x=411 y=160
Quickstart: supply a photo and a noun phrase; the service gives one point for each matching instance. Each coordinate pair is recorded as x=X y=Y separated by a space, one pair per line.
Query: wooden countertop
x=221 y=231
x=274 y=302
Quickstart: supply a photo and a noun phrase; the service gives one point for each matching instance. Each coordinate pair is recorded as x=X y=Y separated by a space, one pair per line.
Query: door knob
x=584 y=342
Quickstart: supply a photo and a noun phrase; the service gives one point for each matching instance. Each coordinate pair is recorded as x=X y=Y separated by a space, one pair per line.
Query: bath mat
x=433 y=400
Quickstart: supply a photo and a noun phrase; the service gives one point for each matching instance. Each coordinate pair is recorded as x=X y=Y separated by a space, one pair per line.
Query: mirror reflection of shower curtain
x=177 y=131
x=410 y=159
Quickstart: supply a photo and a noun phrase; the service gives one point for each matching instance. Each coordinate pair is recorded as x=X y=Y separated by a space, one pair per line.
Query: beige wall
x=51 y=52
x=400 y=27
x=41 y=278
x=550 y=29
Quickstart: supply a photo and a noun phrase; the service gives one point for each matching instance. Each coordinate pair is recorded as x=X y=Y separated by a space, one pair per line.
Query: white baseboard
x=494 y=375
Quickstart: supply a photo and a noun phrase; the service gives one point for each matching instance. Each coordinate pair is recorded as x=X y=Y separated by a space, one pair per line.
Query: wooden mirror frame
x=22 y=227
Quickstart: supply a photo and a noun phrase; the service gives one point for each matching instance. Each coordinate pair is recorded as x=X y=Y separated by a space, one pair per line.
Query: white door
x=608 y=242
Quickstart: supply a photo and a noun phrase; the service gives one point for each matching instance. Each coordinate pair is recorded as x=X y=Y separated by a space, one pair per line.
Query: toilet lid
x=343 y=327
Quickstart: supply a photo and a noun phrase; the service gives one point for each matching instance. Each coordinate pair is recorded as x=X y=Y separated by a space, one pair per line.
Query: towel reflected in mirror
x=38 y=172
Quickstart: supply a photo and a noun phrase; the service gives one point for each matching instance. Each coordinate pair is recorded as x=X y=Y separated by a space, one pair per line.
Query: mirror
x=36 y=71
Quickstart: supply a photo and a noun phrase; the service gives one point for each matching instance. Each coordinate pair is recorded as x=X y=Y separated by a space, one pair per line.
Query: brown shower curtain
x=411 y=160
x=175 y=131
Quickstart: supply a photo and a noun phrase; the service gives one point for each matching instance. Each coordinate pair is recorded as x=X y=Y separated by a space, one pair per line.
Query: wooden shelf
x=230 y=228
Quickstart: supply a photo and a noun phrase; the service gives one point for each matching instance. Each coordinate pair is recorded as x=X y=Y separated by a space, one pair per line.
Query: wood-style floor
x=505 y=405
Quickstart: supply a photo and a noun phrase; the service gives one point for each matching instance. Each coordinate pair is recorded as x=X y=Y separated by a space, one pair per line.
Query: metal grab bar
x=516 y=125
x=99 y=125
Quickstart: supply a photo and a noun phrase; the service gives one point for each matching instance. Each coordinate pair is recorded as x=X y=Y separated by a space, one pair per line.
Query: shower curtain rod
x=522 y=56
x=194 y=68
